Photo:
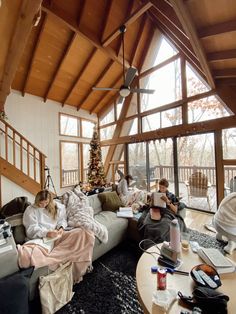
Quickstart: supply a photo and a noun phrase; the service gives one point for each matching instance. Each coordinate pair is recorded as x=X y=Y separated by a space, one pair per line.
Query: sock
x=230 y=247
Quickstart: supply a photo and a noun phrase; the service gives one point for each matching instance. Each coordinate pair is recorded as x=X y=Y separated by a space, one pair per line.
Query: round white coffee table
x=147 y=282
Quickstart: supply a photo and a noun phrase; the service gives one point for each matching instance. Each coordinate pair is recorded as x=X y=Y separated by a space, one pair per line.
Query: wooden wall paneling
x=23 y=26
x=70 y=91
x=81 y=11
x=104 y=23
x=134 y=16
x=223 y=64
x=105 y=109
x=60 y=64
x=212 y=30
x=178 y=130
x=224 y=73
x=117 y=131
x=72 y=23
x=113 y=85
x=134 y=52
x=228 y=95
x=221 y=55
x=185 y=18
x=226 y=81
x=219 y=166
x=146 y=47
x=96 y=83
x=32 y=57
x=127 y=15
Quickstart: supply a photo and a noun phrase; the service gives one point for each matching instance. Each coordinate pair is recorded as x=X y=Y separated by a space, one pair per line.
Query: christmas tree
x=96 y=176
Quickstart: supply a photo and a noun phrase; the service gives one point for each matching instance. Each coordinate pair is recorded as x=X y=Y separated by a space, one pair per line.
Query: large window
x=167 y=84
x=69 y=125
x=229 y=143
x=87 y=128
x=70 y=171
x=137 y=164
x=195 y=84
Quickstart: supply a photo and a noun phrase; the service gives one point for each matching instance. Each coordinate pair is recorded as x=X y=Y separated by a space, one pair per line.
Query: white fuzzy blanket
x=80 y=214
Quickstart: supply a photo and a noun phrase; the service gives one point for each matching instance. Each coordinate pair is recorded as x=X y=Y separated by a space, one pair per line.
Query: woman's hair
x=45 y=195
x=164 y=182
x=128 y=177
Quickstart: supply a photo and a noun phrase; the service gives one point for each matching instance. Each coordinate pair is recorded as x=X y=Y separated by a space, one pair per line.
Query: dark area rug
x=111 y=287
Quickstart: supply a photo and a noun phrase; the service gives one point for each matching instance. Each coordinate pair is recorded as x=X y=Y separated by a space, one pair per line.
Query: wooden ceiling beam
x=228 y=95
x=60 y=64
x=177 y=130
x=224 y=73
x=137 y=39
x=32 y=57
x=81 y=12
x=225 y=27
x=98 y=80
x=72 y=24
x=117 y=131
x=167 y=10
x=221 y=55
x=226 y=81
x=131 y=19
x=115 y=83
x=23 y=26
x=81 y=72
x=185 y=18
x=191 y=58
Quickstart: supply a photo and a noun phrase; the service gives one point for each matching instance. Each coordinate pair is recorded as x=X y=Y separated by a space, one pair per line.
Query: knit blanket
x=80 y=214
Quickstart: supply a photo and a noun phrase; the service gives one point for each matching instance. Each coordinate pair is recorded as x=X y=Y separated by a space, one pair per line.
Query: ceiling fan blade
x=104 y=88
x=120 y=100
x=142 y=90
x=130 y=74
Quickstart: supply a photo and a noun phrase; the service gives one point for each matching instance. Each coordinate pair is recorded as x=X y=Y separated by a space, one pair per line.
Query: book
x=125 y=212
x=216 y=259
x=157 y=201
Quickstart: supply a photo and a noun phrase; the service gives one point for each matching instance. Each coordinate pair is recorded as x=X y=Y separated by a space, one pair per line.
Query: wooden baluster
x=21 y=154
x=34 y=161
x=14 y=148
x=28 y=160
x=6 y=142
x=42 y=173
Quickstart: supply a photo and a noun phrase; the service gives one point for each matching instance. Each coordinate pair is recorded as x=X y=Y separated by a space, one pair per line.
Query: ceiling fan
x=124 y=89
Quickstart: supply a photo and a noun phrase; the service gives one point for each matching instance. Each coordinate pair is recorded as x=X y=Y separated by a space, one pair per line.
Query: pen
x=170 y=271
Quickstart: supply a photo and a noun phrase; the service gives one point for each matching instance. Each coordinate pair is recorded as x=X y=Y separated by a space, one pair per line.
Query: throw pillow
x=110 y=201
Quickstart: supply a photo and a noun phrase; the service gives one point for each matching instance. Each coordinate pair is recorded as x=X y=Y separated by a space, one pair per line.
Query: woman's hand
x=53 y=234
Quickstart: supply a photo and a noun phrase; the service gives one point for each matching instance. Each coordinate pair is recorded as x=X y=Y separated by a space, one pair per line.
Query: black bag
x=208 y=300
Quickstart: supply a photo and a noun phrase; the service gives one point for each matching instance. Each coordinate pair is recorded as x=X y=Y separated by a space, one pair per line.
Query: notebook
x=125 y=212
x=216 y=259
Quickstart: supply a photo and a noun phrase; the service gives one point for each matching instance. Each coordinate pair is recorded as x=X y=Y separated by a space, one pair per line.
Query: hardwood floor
x=196 y=220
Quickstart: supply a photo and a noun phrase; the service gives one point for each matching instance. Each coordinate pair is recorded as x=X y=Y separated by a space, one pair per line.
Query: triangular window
x=195 y=84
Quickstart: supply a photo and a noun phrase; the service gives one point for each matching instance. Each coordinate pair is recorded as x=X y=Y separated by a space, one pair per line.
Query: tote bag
x=55 y=289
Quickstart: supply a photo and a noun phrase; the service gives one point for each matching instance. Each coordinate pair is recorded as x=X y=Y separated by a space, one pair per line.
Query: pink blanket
x=74 y=246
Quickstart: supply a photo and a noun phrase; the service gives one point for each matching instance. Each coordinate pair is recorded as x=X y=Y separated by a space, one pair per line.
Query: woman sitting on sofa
x=45 y=222
x=128 y=197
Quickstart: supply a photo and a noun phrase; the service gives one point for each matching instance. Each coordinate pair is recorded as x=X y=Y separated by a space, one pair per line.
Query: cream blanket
x=80 y=214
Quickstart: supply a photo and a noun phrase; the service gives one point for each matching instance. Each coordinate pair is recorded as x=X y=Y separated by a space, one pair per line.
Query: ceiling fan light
x=124 y=91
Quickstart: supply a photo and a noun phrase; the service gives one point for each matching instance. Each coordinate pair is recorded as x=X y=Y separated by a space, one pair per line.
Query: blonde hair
x=45 y=195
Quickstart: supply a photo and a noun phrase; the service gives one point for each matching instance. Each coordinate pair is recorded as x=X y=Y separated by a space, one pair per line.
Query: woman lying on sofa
x=154 y=224
x=49 y=244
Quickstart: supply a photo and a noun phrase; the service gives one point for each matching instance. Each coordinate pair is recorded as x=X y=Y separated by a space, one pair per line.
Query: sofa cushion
x=110 y=201
x=95 y=203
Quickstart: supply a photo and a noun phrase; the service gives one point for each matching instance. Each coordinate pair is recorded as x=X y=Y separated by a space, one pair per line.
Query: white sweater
x=226 y=214
x=38 y=221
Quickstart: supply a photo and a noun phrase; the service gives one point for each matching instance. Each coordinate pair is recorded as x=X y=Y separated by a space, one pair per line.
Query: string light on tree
x=96 y=176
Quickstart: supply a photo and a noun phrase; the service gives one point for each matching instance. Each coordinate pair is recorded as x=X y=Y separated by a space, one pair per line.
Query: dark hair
x=128 y=177
x=164 y=182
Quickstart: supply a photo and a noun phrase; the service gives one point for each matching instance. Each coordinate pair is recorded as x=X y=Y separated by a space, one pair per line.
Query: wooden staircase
x=20 y=161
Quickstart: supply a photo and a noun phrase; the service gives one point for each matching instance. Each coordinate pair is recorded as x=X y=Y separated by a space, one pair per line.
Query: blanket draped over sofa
x=80 y=214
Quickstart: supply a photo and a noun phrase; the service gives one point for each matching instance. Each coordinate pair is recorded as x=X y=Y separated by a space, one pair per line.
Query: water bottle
x=175 y=235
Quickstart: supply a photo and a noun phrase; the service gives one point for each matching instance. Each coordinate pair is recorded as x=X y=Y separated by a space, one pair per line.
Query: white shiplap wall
x=39 y=123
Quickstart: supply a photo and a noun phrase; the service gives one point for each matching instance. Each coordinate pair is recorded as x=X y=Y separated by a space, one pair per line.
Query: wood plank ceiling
x=77 y=45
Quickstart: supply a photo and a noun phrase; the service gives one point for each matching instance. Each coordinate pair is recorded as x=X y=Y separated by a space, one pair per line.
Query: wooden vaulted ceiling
x=77 y=45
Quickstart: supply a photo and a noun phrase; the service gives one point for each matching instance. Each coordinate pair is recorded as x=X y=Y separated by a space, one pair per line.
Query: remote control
x=194 y=246
x=198 y=277
x=207 y=279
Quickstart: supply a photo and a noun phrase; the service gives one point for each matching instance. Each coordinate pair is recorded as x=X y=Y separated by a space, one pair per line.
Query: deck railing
x=19 y=152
